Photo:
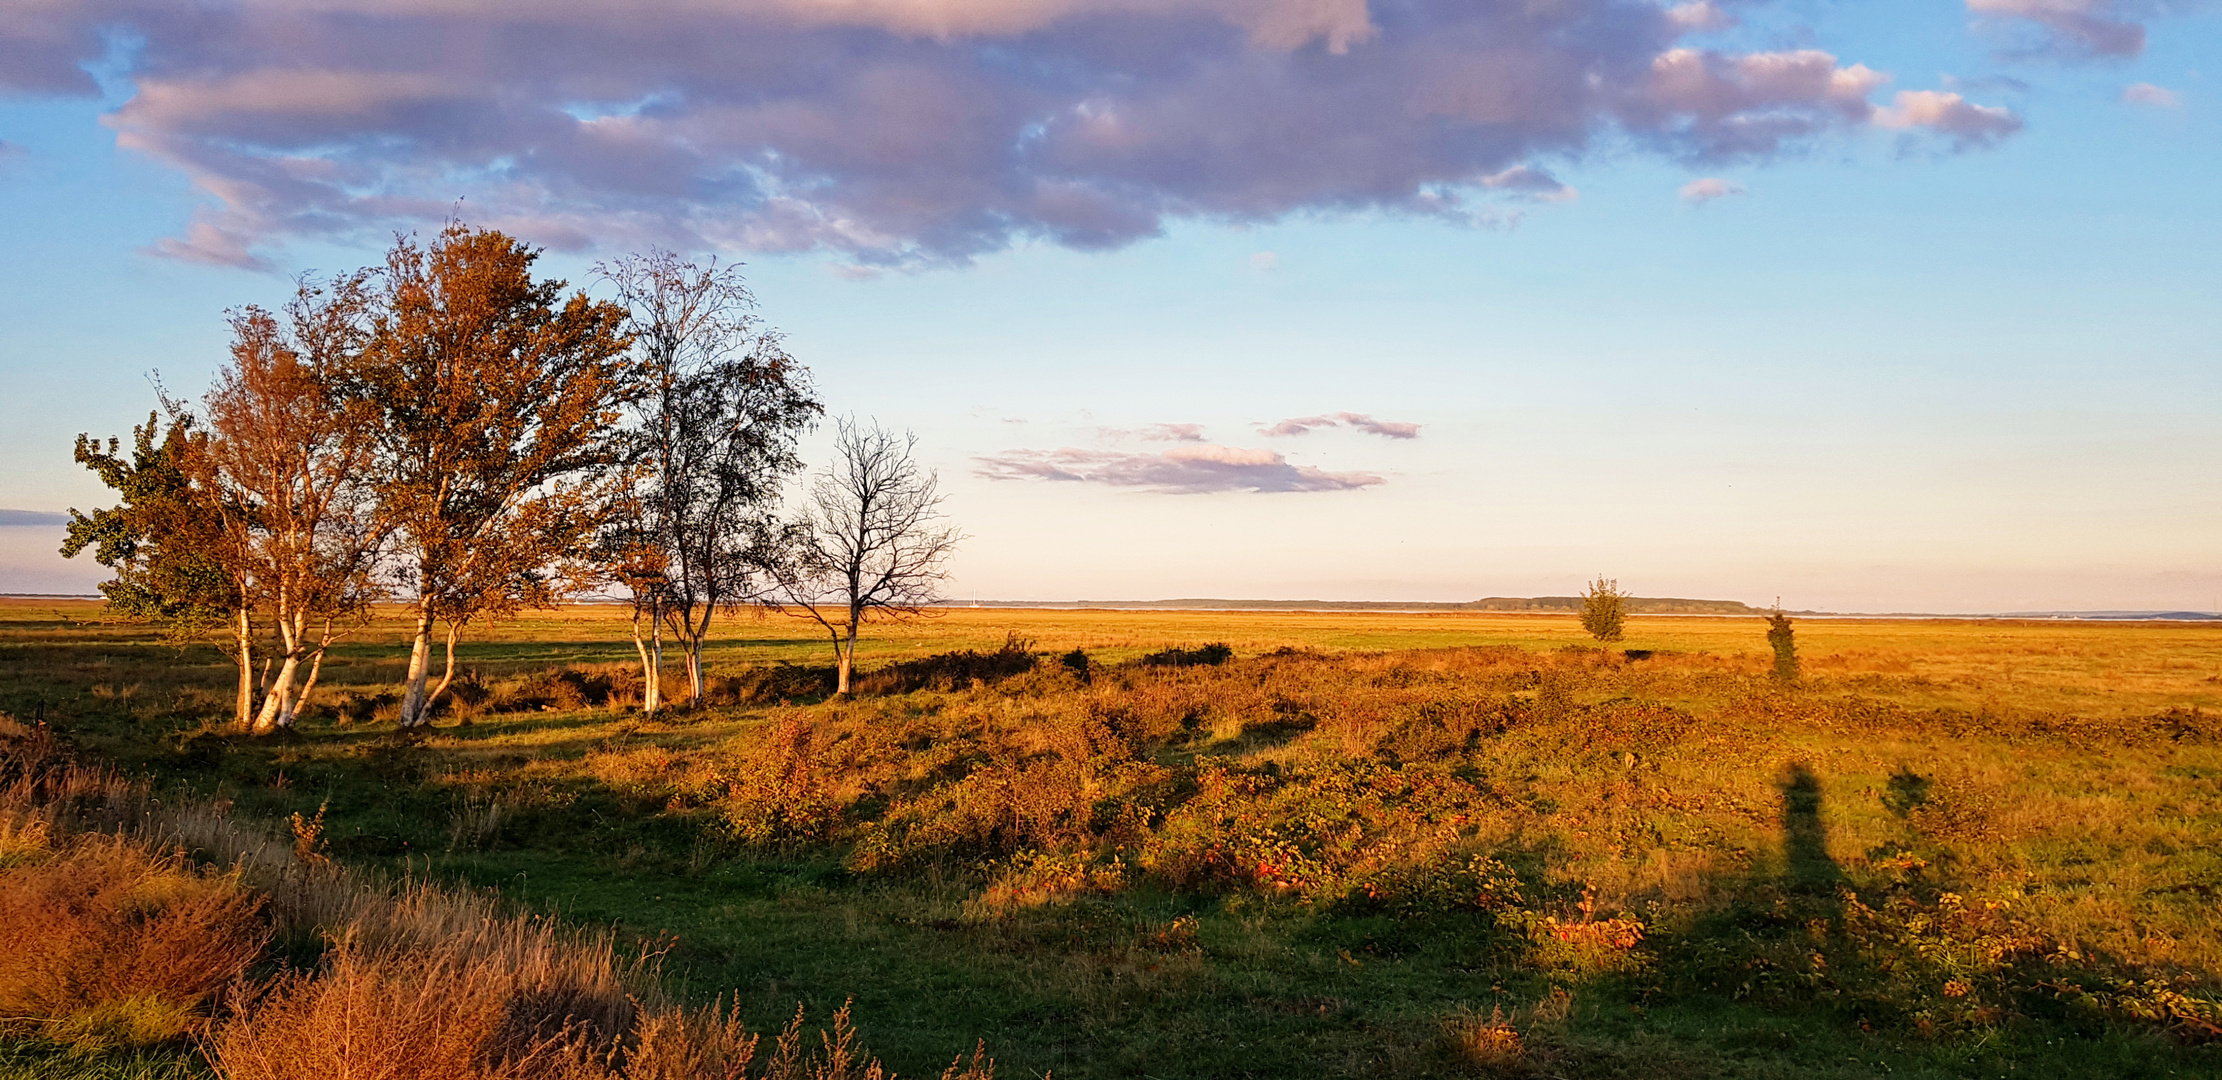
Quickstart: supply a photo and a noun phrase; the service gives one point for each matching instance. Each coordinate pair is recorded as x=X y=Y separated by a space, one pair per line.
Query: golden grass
x=1989 y=806
x=2095 y=668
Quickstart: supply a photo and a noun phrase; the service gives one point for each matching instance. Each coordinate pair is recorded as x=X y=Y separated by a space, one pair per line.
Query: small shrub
x=1210 y=655
x=108 y=944
x=773 y=684
x=1490 y=1042
x=952 y=670
x=1784 y=641
x=1077 y=662
x=781 y=795
x=1604 y=608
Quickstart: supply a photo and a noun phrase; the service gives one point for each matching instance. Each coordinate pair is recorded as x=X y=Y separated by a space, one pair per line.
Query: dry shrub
x=704 y=1044
x=436 y=1014
x=1490 y=1042
x=108 y=943
x=776 y=683
x=781 y=792
x=952 y=670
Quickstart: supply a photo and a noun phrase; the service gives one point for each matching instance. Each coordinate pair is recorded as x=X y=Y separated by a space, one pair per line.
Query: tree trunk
x=276 y=712
x=243 y=711
x=446 y=677
x=649 y=698
x=277 y=704
x=413 y=705
x=316 y=667
x=847 y=649
x=694 y=668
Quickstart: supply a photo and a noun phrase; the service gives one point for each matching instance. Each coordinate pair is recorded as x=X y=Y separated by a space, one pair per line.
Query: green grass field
x=1371 y=844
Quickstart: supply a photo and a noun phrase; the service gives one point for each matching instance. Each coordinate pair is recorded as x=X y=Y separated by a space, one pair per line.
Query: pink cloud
x=2158 y=97
x=1948 y=114
x=1706 y=189
x=1302 y=425
x=1191 y=469
x=903 y=132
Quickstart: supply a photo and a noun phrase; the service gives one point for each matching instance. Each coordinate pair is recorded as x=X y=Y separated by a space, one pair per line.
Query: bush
x=1604 y=607
x=108 y=944
x=951 y=670
x=1210 y=655
x=774 y=684
x=1785 y=643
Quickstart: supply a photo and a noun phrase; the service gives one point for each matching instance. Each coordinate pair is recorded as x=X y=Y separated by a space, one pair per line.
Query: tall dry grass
x=130 y=920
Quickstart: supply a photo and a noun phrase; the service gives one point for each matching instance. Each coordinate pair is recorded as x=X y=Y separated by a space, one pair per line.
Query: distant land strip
x=1540 y=605
x=1567 y=605
x=1637 y=605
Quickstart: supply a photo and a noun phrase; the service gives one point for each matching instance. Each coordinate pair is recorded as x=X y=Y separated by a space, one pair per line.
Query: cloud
x=28 y=518
x=1529 y=182
x=1302 y=425
x=1700 y=16
x=1949 y=114
x=2077 y=28
x=1265 y=261
x=891 y=133
x=1706 y=189
x=1154 y=433
x=2145 y=93
x=1190 y=469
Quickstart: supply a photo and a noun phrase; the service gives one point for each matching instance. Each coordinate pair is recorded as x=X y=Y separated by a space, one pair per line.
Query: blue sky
x=1961 y=363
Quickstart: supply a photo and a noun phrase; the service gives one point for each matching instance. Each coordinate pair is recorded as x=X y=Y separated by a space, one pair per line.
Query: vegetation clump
x=1604 y=609
x=1209 y=655
x=953 y=670
x=1784 y=641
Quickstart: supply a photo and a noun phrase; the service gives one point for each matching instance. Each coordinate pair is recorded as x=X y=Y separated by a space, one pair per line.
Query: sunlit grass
x=2069 y=775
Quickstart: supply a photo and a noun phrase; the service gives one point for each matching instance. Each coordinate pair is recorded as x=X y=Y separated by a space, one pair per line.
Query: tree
x=869 y=541
x=1604 y=606
x=715 y=444
x=498 y=403
x=163 y=541
x=1784 y=641
x=286 y=461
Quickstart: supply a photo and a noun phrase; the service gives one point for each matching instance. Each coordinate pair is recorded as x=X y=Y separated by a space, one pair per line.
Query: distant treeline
x=1637 y=605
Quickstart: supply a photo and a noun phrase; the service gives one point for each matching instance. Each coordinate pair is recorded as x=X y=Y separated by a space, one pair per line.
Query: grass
x=1458 y=844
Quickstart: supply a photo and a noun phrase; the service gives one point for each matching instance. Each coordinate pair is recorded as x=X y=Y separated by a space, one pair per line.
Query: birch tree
x=287 y=460
x=714 y=441
x=498 y=452
x=871 y=542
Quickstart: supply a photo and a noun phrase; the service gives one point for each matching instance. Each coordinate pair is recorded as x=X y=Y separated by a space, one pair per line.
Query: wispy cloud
x=1706 y=189
x=2075 y=27
x=1302 y=425
x=2145 y=93
x=15 y=518
x=1190 y=469
x=892 y=133
x=1154 y=433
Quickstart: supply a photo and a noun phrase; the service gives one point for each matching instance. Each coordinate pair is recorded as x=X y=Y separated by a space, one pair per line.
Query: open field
x=1367 y=845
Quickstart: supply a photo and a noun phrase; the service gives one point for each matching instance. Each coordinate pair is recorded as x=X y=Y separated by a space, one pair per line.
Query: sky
x=1897 y=305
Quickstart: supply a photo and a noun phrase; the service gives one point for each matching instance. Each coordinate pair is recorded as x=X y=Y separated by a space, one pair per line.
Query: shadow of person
x=1805 y=841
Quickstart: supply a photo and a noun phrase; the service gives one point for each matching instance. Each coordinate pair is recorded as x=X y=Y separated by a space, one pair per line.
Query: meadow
x=1347 y=844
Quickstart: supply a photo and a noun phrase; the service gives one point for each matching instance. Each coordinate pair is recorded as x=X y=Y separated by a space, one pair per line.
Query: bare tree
x=715 y=445
x=870 y=540
x=287 y=462
x=499 y=401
